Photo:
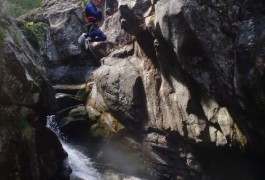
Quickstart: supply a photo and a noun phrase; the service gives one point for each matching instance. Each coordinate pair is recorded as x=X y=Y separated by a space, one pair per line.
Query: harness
x=90 y=23
x=91 y=19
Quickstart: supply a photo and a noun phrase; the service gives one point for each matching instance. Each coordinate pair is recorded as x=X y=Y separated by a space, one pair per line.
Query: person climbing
x=93 y=16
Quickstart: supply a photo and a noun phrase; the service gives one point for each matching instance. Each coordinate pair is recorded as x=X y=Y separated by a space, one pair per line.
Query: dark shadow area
x=70 y=71
x=224 y=163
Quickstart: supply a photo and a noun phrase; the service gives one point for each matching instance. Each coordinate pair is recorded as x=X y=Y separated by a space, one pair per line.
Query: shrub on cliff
x=18 y=7
x=34 y=32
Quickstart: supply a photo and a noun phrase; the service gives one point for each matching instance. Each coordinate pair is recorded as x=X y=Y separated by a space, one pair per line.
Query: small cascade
x=81 y=165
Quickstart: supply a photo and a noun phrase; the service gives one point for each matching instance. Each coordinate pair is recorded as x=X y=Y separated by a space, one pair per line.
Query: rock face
x=28 y=150
x=54 y=29
x=190 y=84
x=123 y=90
x=186 y=77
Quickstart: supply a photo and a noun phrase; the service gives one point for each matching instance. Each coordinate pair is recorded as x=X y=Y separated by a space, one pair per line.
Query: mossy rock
x=76 y=114
x=93 y=114
x=35 y=32
x=2 y=36
x=106 y=126
x=27 y=131
x=81 y=94
x=98 y=130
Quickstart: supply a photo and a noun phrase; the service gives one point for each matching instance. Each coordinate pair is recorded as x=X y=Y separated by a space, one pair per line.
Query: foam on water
x=81 y=165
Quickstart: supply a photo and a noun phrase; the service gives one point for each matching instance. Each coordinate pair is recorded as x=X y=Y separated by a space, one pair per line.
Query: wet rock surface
x=28 y=149
x=185 y=77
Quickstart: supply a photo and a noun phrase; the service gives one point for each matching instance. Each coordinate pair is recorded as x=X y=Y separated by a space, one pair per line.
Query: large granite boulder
x=119 y=85
x=200 y=66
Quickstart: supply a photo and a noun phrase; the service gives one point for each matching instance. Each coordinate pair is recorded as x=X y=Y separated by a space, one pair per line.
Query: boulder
x=55 y=28
x=199 y=66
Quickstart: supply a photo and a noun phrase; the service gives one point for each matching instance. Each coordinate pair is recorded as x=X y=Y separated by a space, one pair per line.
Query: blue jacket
x=91 y=10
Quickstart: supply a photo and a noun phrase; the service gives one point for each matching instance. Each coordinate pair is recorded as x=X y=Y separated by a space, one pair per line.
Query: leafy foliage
x=34 y=32
x=2 y=36
x=19 y=7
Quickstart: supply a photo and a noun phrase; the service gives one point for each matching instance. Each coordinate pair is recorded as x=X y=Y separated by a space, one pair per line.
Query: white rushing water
x=81 y=165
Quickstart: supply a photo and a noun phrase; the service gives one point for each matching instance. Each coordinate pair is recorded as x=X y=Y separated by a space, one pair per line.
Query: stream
x=82 y=166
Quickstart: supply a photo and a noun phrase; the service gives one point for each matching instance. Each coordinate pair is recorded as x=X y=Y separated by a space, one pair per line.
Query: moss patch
x=35 y=32
x=81 y=94
x=27 y=131
x=106 y=126
x=2 y=36
x=17 y=39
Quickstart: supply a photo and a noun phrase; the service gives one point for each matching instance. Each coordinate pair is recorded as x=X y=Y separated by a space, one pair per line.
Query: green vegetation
x=17 y=38
x=105 y=126
x=35 y=31
x=18 y=7
x=27 y=131
x=2 y=36
x=81 y=94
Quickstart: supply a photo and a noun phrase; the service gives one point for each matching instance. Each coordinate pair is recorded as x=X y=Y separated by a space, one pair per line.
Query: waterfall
x=81 y=165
